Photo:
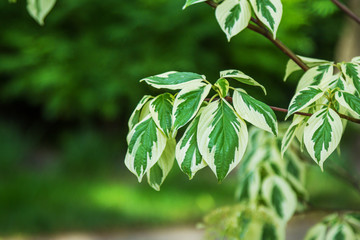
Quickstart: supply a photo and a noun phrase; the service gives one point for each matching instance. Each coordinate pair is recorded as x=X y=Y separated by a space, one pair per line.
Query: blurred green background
x=67 y=90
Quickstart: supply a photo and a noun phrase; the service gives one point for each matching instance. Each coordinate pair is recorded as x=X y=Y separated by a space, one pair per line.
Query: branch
x=347 y=11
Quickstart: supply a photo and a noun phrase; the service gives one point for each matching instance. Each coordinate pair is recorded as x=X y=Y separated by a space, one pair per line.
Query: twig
x=346 y=10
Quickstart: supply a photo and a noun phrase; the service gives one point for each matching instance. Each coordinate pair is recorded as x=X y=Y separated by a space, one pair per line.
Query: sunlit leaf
x=352 y=74
x=319 y=76
x=349 y=101
x=135 y=116
x=192 y=2
x=241 y=77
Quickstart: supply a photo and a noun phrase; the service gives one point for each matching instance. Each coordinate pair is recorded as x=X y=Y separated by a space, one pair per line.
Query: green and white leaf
x=352 y=74
x=187 y=103
x=161 y=108
x=340 y=231
x=303 y=99
x=222 y=137
x=296 y=172
x=322 y=134
x=320 y=76
x=317 y=232
x=222 y=85
x=192 y=2
x=269 y=12
x=175 y=80
x=291 y=133
x=241 y=77
x=279 y=196
x=356 y=60
x=145 y=146
x=338 y=82
x=353 y=219
x=157 y=174
x=292 y=67
x=349 y=101
x=135 y=116
x=233 y=16
x=187 y=152
x=39 y=9
x=257 y=113
x=249 y=186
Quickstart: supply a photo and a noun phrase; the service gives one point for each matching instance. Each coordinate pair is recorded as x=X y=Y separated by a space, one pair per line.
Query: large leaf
x=290 y=133
x=174 y=80
x=161 y=109
x=146 y=144
x=340 y=231
x=352 y=74
x=136 y=115
x=349 y=101
x=157 y=174
x=303 y=99
x=39 y=9
x=222 y=137
x=187 y=152
x=233 y=16
x=278 y=195
x=320 y=76
x=187 y=104
x=310 y=62
x=192 y=2
x=241 y=77
x=249 y=187
x=317 y=232
x=322 y=134
x=257 y=113
x=269 y=12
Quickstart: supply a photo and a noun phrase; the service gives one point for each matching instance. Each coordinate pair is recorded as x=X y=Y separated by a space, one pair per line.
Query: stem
x=347 y=11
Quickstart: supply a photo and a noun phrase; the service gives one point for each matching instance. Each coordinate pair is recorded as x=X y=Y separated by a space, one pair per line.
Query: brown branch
x=346 y=10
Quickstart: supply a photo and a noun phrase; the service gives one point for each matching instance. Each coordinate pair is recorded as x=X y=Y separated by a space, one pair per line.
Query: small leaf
x=233 y=16
x=319 y=76
x=269 y=12
x=39 y=9
x=317 y=232
x=340 y=231
x=303 y=99
x=249 y=187
x=174 y=80
x=352 y=74
x=135 y=116
x=296 y=172
x=146 y=144
x=322 y=134
x=338 y=82
x=222 y=137
x=222 y=85
x=349 y=101
x=161 y=111
x=192 y=2
x=241 y=77
x=257 y=113
x=290 y=133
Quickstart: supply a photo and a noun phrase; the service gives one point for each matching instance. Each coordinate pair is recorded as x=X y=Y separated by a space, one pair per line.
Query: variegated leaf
x=338 y=82
x=303 y=99
x=322 y=134
x=249 y=187
x=39 y=9
x=340 y=231
x=269 y=12
x=135 y=116
x=356 y=60
x=146 y=144
x=157 y=174
x=233 y=16
x=187 y=152
x=187 y=103
x=278 y=195
x=174 y=80
x=192 y=2
x=317 y=232
x=295 y=172
x=241 y=77
x=349 y=101
x=320 y=76
x=290 y=133
x=222 y=86
x=257 y=113
x=161 y=108
x=222 y=137
x=352 y=74
x=353 y=219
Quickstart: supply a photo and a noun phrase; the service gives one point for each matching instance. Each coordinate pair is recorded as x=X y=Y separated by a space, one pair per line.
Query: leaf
x=349 y=101
x=233 y=16
x=322 y=134
x=353 y=219
x=161 y=108
x=340 y=231
x=146 y=144
x=249 y=187
x=317 y=76
x=303 y=99
x=338 y=82
x=222 y=137
x=257 y=113
x=356 y=60
x=174 y=80
x=187 y=103
x=192 y=2
x=222 y=85
x=241 y=77
x=39 y=9
x=295 y=172
x=317 y=232
x=269 y=13
x=187 y=152
x=135 y=116
x=157 y=174
x=278 y=195
x=352 y=74
x=290 y=133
